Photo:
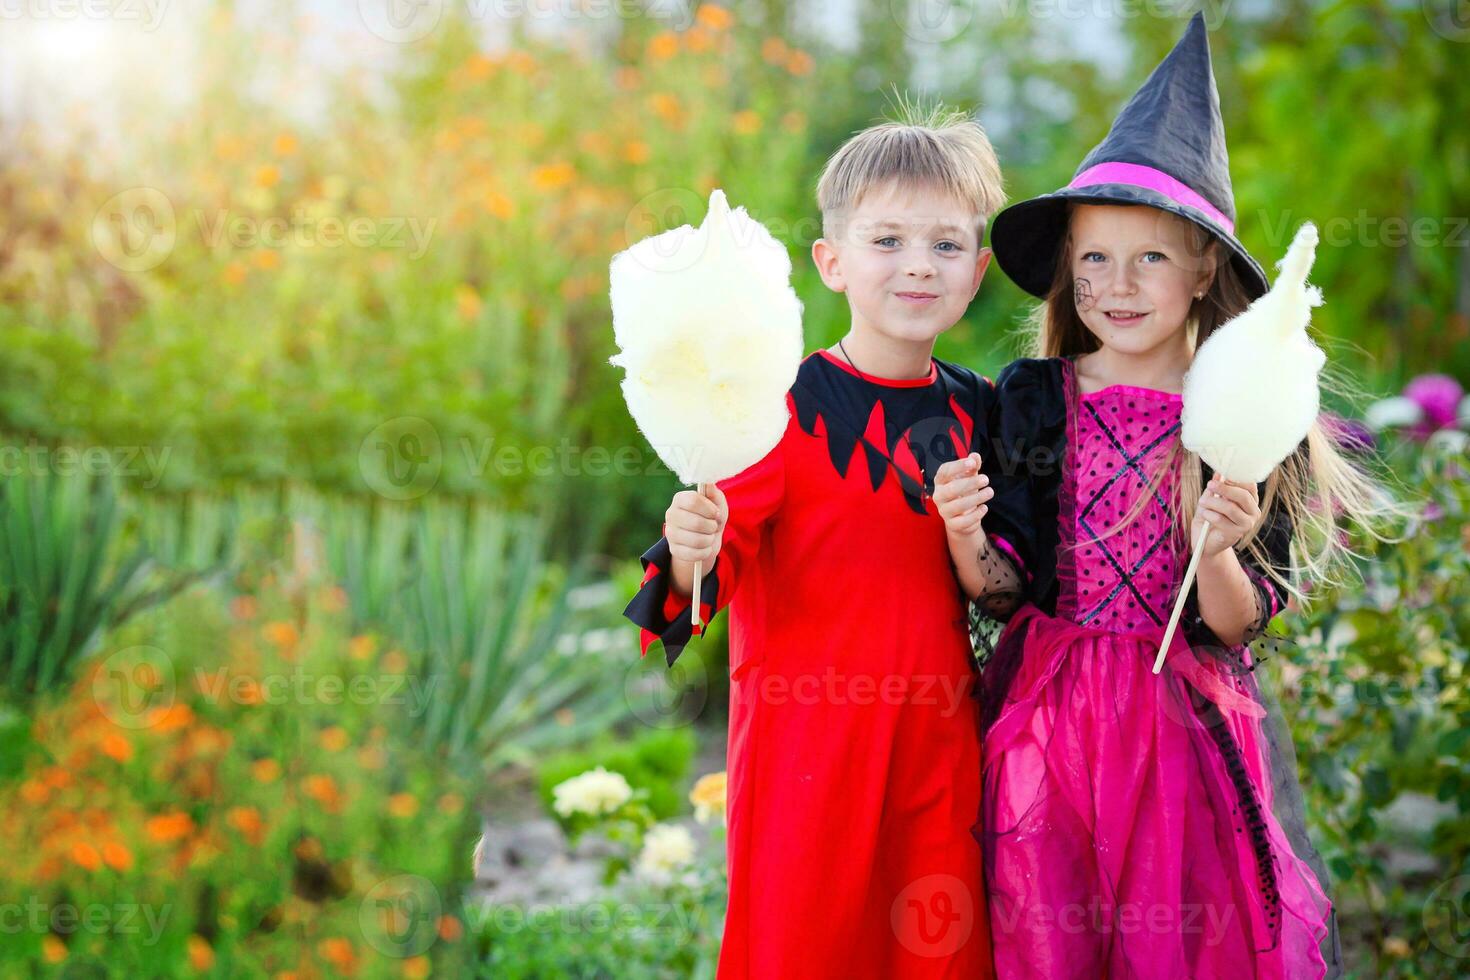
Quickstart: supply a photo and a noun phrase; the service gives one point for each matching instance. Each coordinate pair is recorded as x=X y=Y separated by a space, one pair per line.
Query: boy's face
x=909 y=261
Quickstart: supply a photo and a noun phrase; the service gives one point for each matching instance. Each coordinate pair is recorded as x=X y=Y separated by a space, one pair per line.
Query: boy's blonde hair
x=939 y=148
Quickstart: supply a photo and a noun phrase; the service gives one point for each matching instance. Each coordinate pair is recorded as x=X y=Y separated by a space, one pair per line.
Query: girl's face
x=1135 y=274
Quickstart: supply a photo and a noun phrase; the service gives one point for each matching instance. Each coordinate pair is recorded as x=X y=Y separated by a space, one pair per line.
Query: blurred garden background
x=319 y=503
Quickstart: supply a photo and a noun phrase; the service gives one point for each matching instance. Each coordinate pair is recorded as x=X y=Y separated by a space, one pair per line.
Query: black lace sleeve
x=1275 y=540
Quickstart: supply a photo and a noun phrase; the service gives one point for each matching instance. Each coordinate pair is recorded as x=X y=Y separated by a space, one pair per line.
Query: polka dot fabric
x=1126 y=573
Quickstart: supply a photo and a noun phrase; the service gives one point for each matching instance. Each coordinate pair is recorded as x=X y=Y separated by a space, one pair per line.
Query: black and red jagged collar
x=911 y=429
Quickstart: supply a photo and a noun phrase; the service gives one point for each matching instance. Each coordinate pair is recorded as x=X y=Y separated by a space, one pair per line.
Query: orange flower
x=169 y=826
x=479 y=67
x=117 y=747
x=520 y=62
x=394 y=662
x=451 y=803
x=800 y=63
x=282 y=634
x=371 y=757
x=552 y=175
x=774 y=50
x=53 y=950
x=249 y=691
x=746 y=121
x=626 y=78
x=338 y=952
x=267 y=259
x=118 y=858
x=361 y=647
x=246 y=819
x=324 y=790
x=233 y=274
x=56 y=777
x=666 y=106
x=85 y=855
x=697 y=39
x=229 y=147
x=34 y=792
x=171 y=718
x=498 y=205
x=403 y=805
x=663 y=45
x=201 y=954
x=450 y=928
x=268 y=176
x=286 y=145
x=334 y=739
x=416 y=968
x=716 y=18
x=265 y=770
x=635 y=151
x=244 y=607
x=468 y=303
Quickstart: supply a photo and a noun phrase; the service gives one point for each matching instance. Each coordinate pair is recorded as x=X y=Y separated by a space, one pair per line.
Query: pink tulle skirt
x=1127 y=819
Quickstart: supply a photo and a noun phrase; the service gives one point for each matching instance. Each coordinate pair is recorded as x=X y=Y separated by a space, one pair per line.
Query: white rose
x=594 y=792
x=666 y=849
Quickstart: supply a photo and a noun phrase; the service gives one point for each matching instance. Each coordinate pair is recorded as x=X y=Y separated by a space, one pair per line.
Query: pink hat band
x=1154 y=180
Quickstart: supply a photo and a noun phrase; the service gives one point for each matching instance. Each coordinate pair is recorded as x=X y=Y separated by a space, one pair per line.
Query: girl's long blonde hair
x=1316 y=486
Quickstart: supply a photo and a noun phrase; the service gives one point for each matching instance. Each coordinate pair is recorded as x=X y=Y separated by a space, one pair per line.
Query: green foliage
x=1373 y=676
x=60 y=584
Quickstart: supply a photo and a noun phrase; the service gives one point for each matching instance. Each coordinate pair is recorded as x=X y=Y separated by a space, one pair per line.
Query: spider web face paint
x=1082 y=295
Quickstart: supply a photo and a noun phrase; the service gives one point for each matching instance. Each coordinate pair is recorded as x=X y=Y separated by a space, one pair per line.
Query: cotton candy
x=1251 y=395
x=709 y=334
x=1252 y=392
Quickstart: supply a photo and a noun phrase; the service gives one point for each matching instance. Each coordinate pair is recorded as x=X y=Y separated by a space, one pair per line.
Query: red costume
x=854 y=740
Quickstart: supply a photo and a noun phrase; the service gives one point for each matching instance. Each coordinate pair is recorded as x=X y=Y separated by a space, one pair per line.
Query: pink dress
x=1127 y=816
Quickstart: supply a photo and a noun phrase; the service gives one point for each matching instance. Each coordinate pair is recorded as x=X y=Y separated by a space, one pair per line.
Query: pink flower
x=1438 y=395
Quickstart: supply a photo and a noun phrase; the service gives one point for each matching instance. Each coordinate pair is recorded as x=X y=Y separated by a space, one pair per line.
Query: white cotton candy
x=1252 y=393
x=709 y=333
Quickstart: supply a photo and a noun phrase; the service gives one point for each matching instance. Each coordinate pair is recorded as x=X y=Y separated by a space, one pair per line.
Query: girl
x=1138 y=825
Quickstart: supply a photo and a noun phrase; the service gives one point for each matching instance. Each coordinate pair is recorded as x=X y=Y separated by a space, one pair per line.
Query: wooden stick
x=694 y=621
x=1199 y=549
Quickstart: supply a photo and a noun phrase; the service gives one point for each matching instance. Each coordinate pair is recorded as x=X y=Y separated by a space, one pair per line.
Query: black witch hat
x=1166 y=150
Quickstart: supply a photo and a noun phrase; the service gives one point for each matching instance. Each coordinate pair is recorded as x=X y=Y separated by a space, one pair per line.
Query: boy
x=853 y=758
